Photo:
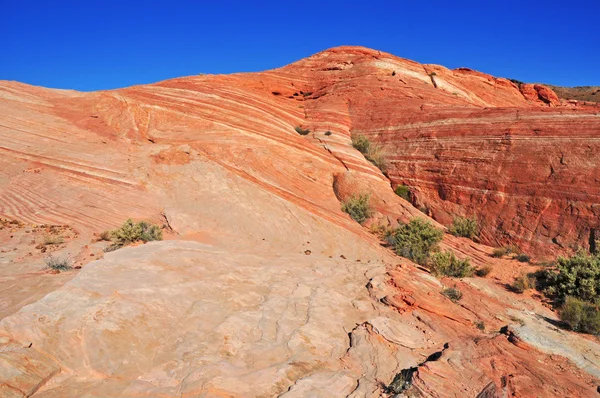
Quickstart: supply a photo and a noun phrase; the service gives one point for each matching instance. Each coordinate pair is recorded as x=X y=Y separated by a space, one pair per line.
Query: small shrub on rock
x=361 y=143
x=404 y=192
x=58 y=263
x=373 y=153
x=415 y=240
x=131 y=232
x=483 y=271
x=580 y=315
x=452 y=293
x=523 y=258
x=464 y=227
x=522 y=283
x=358 y=207
x=447 y=264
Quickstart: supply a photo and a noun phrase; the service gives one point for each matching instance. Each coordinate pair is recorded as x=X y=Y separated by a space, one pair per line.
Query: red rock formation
x=270 y=296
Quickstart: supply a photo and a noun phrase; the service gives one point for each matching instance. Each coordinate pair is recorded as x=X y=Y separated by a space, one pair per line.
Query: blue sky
x=91 y=45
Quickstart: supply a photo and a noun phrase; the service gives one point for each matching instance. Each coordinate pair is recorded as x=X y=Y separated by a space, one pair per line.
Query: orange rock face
x=264 y=286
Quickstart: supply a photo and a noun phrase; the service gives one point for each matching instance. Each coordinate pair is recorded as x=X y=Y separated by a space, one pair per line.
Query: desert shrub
x=58 y=263
x=53 y=240
x=358 y=207
x=452 y=293
x=301 y=131
x=464 y=227
x=105 y=235
x=446 y=263
x=404 y=192
x=523 y=282
x=131 y=232
x=328 y=133
x=506 y=250
x=361 y=143
x=523 y=258
x=480 y=325
x=580 y=315
x=372 y=152
x=577 y=276
x=483 y=271
x=378 y=157
x=415 y=240
x=499 y=252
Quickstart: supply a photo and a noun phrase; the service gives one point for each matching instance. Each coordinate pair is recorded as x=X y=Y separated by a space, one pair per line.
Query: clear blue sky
x=91 y=45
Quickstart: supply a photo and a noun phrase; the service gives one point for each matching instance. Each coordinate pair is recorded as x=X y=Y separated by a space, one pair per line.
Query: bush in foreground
x=578 y=276
x=131 y=232
x=415 y=240
x=464 y=227
x=447 y=264
x=581 y=316
x=358 y=207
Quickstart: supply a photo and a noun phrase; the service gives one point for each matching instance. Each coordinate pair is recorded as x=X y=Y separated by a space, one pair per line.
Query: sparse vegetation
x=483 y=271
x=372 y=152
x=53 y=240
x=105 y=236
x=361 y=143
x=581 y=316
x=452 y=293
x=506 y=250
x=523 y=258
x=464 y=227
x=301 y=131
x=523 y=282
x=131 y=232
x=415 y=240
x=358 y=207
x=447 y=264
x=480 y=325
x=58 y=263
x=328 y=133
x=404 y=192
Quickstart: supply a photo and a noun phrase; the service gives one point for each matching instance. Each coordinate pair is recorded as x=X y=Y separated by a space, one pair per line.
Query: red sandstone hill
x=264 y=286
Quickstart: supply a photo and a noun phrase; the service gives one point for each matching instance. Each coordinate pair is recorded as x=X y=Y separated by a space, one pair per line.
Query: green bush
x=361 y=143
x=358 y=207
x=133 y=232
x=446 y=263
x=464 y=227
x=581 y=316
x=523 y=258
x=578 y=276
x=415 y=240
x=452 y=293
x=483 y=271
x=58 y=263
x=373 y=153
x=404 y=192
x=301 y=131
x=523 y=282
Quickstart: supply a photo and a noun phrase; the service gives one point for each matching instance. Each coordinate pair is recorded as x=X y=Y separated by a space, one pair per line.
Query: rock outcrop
x=264 y=287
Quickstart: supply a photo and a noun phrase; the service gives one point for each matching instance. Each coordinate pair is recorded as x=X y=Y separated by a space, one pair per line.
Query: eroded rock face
x=265 y=287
